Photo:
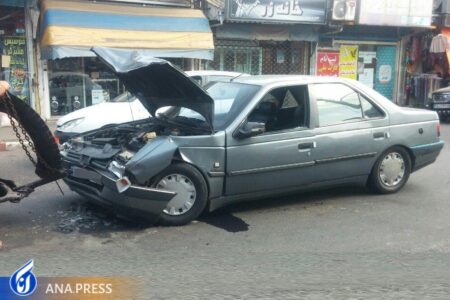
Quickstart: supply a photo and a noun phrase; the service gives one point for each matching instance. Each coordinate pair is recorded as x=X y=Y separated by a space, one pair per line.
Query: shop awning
x=71 y=29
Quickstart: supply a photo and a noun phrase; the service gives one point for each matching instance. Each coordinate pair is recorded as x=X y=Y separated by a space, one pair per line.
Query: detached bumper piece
x=101 y=187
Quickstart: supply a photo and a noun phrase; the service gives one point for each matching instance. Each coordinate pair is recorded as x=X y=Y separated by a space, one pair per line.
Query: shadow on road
x=226 y=221
x=311 y=198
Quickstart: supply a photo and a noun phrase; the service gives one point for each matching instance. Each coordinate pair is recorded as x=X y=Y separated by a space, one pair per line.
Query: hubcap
x=186 y=193
x=392 y=169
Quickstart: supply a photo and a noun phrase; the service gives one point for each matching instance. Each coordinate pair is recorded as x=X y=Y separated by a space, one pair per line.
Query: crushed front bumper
x=100 y=187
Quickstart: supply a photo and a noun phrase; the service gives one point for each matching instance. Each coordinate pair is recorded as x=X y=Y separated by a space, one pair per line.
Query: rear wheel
x=391 y=171
x=192 y=194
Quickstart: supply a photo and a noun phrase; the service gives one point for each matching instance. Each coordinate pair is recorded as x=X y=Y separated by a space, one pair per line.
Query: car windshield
x=229 y=100
x=124 y=97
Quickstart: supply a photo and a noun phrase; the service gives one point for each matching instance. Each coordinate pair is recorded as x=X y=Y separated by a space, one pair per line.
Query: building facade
x=371 y=47
x=265 y=37
x=45 y=44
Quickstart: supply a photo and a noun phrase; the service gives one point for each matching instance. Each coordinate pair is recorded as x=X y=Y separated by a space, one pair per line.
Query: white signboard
x=414 y=13
x=367 y=77
x=367 y=56
x=385 y=74
x=97 y=96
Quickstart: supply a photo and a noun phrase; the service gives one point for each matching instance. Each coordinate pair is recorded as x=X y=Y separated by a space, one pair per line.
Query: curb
x=8 y=146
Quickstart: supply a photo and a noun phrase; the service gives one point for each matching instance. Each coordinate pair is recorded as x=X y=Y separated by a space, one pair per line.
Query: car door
x=275 y=160
x=351 y=131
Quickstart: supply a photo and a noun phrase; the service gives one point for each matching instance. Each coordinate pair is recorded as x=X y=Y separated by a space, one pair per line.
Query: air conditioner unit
x=344 y=10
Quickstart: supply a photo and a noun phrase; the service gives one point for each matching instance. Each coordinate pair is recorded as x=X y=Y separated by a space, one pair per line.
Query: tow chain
x=26 y=141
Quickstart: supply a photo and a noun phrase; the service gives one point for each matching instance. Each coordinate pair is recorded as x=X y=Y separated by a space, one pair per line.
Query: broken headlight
x=117 y=169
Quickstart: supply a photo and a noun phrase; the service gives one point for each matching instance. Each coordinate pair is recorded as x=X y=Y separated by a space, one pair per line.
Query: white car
x=124 y=108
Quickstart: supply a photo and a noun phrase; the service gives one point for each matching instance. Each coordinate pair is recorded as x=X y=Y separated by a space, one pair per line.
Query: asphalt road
x=335 y=244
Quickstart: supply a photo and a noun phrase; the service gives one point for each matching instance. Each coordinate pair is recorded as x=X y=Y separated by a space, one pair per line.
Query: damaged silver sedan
x=245 y=139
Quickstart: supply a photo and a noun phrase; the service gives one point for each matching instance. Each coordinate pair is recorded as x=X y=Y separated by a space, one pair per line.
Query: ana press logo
x=23 y=282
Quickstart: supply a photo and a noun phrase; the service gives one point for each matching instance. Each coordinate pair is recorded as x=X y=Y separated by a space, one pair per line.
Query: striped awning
x=72 y=28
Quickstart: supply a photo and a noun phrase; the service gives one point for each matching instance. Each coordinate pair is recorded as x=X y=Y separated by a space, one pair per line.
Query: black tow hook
x=9 y=192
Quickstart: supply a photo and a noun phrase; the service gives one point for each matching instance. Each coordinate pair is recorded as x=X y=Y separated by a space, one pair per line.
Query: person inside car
x=266 y=112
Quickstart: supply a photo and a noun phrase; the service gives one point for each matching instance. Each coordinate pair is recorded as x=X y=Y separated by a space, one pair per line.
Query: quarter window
x=370 y=111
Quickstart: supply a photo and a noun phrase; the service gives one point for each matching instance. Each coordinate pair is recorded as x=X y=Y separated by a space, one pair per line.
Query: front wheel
x=391 y=171
x=192 y=194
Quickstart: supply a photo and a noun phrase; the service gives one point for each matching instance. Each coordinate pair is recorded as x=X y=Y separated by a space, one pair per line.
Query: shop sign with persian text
x=327 y=63
x=348 y=61
x=278 y=11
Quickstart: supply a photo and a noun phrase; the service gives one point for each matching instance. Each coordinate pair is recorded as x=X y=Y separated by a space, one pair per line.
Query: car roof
x=214 y=73
x=263 y=80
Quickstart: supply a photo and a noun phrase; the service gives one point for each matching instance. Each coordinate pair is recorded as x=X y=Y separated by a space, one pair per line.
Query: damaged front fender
x=152 y=159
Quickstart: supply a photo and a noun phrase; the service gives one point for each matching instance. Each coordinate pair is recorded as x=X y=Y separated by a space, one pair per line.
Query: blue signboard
x=17 y=3
x=385 y=74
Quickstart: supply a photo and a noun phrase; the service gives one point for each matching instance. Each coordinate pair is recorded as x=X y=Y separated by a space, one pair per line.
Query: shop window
x=13 y=51
x=282 y=109
x=76 y=83
x=237 y=59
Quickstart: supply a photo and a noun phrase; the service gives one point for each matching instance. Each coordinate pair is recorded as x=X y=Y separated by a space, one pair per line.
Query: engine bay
x=123 y=141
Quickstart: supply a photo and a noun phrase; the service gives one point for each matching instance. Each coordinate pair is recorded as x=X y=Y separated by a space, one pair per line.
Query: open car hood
x=156 y=82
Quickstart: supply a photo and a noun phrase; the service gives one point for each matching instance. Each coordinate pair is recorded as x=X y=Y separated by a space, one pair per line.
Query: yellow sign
x=348 y=62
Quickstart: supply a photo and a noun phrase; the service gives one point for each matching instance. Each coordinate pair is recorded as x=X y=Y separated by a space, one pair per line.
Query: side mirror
x=250 y=129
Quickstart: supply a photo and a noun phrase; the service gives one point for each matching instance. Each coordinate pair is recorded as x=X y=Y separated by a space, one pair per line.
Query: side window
x=337 y=104
x=282 y=109
x=289 y=101
x=370 y=111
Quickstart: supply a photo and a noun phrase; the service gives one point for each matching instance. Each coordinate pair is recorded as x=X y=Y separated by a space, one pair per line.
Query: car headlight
x=116 y=168
x=71 y=123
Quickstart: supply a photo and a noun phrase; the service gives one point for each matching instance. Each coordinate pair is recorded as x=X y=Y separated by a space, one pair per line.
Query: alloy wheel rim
x=392 y=169
x=186 y=194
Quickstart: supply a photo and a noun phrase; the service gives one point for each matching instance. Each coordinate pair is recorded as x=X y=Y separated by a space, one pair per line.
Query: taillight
x=438 y=130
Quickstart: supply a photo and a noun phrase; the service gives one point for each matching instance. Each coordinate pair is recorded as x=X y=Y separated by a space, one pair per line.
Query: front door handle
x=306 y=146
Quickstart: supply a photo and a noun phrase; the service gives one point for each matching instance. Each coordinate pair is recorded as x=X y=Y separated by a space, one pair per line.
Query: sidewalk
x=8 y=139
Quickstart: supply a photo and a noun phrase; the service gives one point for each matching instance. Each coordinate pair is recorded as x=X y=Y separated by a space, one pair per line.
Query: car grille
x=76 y=158
x=73 y=156
x=101 y=164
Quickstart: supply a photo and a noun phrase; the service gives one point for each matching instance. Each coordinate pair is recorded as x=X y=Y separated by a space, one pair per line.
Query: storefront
x=372 y=52
x=77 y=79
x=13 y=48
x=266 y=37
x=374 y=63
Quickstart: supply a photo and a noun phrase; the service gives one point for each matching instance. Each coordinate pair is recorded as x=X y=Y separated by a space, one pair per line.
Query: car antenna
x=232 y=79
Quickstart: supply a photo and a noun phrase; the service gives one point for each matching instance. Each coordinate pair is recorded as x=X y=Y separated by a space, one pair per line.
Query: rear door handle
x=380 y=135
x=306 y=146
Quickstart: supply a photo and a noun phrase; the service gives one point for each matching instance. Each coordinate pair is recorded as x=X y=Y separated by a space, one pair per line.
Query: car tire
x=383 y=179
x=192 y=183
